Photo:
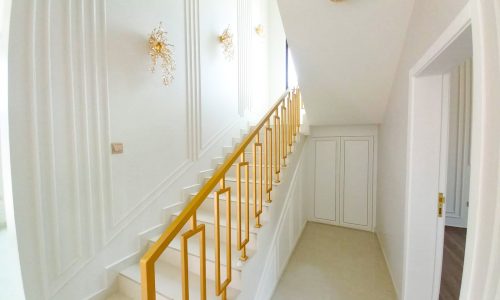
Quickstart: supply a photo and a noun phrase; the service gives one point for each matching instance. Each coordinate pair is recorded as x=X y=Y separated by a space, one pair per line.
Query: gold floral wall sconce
x=161 y=51
x=227 y=41
x=259 y=30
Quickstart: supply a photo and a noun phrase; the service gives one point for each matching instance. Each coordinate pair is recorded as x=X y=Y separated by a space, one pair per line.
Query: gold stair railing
x=270 y=154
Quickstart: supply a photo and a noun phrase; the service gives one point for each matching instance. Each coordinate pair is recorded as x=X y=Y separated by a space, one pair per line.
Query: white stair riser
x=232 y=171
x=132 y=289
x=232 y=184
x=208 y=206
x=173 y=256
x=210 y=233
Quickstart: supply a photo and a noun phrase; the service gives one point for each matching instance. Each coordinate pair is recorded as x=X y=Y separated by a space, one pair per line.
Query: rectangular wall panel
x=325 y=186
x=356 y=182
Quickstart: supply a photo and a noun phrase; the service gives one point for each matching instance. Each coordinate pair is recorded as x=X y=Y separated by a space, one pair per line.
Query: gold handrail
x=286 y=114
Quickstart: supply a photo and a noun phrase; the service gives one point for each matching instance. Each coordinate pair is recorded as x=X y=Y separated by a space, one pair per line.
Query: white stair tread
x=233 y=179
x=234 y=199
x=118 y=296
x=208 y=218
x=194 y=249
x=169 y=282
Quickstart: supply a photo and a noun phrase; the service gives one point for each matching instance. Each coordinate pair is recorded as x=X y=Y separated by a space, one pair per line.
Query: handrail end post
x=148 y=289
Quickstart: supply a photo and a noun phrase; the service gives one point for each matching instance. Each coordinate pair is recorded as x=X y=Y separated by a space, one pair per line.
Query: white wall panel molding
x=221 y=133
x=286 y=230
x=60 y=142
x=192 y=8
x=218 y=75
x=185 y=55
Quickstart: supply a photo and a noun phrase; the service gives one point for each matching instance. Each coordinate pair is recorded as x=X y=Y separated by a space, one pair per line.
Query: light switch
x=116 y=148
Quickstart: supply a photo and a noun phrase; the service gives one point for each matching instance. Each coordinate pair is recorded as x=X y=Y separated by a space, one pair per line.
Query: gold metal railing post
x=269 y=160
x=241 y=244
x=221 y=287
x=195 y=229
x=289 y=123
x=277 y=157
x=283 y=134
x=257 y=180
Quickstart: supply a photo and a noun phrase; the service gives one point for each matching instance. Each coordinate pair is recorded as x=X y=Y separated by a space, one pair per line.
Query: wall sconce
x=160 y=49
x=259 y=30
x=226 y=39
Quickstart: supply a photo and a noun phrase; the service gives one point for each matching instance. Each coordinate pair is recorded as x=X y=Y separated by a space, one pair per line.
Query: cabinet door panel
x=356 y=182
x=325 y=188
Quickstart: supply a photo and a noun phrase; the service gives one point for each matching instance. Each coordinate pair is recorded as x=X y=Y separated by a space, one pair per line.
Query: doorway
x=432 y=134
x=457 y=179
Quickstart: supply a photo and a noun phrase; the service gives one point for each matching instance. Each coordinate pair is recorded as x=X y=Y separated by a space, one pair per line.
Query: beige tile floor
x=336 y=263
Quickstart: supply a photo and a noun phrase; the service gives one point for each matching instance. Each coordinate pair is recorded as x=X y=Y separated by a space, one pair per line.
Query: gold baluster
x=241 y=244
x=257 y=201
x=195 y=229
x=277 y=156
x=221 y=287
x=298 y=112
x=283 y=133
x=269 y=160
x=289 y=123
x=293 y=116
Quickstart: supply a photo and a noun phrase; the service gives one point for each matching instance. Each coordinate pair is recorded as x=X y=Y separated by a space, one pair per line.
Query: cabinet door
x=356 y=183
x=326 y=182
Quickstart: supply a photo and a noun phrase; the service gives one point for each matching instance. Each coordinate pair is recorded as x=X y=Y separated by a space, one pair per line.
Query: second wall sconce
x=160 y=49
x=226 y=39
x=259 y=30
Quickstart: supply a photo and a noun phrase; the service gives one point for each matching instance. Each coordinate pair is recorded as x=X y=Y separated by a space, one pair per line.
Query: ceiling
x=346 y=55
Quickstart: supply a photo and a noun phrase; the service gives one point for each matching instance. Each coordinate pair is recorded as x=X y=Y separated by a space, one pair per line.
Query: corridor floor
x=336 y=263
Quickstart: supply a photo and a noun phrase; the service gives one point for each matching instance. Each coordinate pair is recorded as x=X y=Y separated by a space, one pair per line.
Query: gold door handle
x=441 y=201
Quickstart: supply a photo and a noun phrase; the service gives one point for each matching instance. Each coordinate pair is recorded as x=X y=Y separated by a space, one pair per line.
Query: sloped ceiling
x=346 y=55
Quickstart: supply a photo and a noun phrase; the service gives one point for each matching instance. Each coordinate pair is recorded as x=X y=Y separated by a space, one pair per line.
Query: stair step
x=208 y=219
x=172 y=255
x=231 y=182
x=118 y=296
x=232 y=171
x=168 y=283
x=208 y=205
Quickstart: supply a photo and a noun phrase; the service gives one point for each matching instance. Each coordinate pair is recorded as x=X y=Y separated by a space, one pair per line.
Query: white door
x=356 y=188
x=424 y=229
x=326 y=180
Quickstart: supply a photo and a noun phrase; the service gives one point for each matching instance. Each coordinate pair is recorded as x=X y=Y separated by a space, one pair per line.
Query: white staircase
x=167 y=268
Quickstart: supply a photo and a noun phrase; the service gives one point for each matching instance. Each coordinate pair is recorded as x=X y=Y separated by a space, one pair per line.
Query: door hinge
x=441 y=201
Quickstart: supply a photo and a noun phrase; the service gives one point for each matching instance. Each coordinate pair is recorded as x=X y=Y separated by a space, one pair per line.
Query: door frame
x=461 y=23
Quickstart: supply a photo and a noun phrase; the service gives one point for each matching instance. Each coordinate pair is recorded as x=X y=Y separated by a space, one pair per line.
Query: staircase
x=207 y=256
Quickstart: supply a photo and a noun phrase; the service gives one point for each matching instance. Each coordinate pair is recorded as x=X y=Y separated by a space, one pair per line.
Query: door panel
x=356 y=182
x=325 y=187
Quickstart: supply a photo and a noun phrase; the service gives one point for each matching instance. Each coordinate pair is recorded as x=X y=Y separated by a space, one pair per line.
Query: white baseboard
x=398 y=292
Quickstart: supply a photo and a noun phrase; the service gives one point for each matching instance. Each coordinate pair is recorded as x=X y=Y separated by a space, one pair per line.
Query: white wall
x=80 y=80
x=4 y=36
x=276 y=53
x=429 y=19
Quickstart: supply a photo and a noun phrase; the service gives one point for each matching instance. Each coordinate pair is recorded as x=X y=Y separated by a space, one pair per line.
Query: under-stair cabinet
x=343 y=162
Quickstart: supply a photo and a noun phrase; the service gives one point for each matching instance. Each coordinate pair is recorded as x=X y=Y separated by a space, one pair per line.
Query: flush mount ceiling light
x=160 y=49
